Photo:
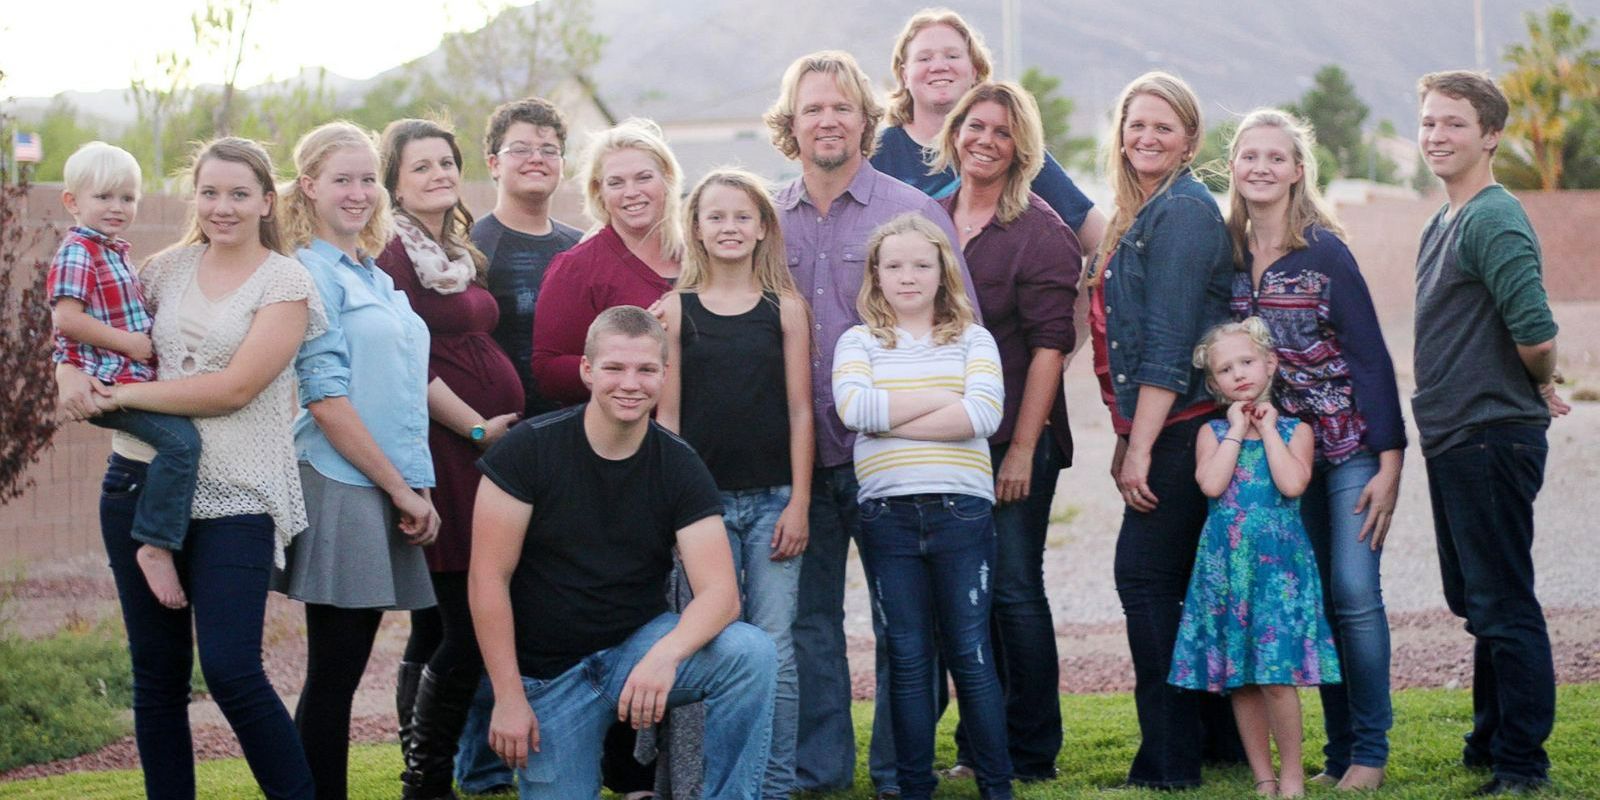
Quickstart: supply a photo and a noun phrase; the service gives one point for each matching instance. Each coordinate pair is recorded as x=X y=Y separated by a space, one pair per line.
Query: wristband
x=1239 y=442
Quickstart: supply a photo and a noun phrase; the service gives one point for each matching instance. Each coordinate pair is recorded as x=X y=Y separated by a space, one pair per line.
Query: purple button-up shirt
x=828 y=255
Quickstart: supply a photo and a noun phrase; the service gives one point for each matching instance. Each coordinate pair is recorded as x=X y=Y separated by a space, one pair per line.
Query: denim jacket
x=1167 y=284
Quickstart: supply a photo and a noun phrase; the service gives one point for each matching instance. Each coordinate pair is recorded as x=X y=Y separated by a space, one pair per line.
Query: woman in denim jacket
x=1161 y=279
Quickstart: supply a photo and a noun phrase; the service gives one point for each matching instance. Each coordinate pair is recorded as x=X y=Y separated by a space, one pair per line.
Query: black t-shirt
x=517 y=262
x=598 y=548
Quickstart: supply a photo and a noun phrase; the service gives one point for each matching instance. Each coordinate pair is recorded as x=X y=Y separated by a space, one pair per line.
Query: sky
x=113 y=41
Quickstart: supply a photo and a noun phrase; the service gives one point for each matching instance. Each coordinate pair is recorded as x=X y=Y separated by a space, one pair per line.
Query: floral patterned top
x=1334 y=370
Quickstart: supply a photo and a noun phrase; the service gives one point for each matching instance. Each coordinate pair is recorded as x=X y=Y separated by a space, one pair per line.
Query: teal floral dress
x=1253 y=615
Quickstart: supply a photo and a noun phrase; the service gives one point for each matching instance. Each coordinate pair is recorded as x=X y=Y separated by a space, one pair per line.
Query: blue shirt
x=899 y=156
x=375 y=352
x=1168 y=282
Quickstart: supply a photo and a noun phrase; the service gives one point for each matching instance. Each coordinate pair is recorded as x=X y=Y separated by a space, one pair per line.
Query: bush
x=63 y=696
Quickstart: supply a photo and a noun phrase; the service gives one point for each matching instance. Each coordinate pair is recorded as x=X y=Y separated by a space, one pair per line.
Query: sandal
x=1273 y=793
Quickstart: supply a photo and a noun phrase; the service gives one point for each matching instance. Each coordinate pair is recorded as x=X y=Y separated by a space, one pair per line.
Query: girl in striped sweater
x=920 y=383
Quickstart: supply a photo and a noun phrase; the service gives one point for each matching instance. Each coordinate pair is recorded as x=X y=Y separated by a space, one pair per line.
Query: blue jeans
x=733 y=675
x=769 y=591
x=1022 y=628
x=1155 y=554
x=931 y=557
x=1357 y=712
x=224 y=567
x=478 y=768
x=161 y=517
x=825 y=741
x=1483 y=491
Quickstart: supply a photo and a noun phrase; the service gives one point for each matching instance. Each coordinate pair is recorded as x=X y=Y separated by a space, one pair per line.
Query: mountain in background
x=687 y=61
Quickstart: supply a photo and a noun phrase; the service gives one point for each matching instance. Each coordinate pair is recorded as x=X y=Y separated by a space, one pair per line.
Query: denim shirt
x=1168 y=282
x=372 y=332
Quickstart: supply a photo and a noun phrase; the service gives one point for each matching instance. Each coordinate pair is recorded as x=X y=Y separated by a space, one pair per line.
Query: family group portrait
x=607 y=399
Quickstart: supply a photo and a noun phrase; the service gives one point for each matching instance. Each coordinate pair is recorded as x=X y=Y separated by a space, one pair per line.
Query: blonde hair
x=631 y=322
x=901 y=110
x=952 y=312
x=851 y=80
x=255 y=158
x=1306 y=205
x=1252 y=328
x=99 y=167
x=770 y=260
x=311 y=153
x=1027 y=135
x=456 y=233
x=645 y=136
x=1120 y=173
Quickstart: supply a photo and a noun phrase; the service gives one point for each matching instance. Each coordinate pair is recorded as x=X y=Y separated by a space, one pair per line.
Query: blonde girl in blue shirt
x=361 y=438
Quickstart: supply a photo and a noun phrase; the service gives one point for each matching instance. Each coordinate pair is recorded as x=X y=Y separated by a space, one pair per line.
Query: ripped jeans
x=930 y=558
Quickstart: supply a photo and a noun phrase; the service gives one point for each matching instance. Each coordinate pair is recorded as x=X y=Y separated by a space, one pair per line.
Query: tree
x=1334 y=110
x=27 y=393
x=545 y=49
x=279 y=115
x=223 y=29
x=156 y=97
x=1055 y=111
x=1553 y=84
x=61 y=130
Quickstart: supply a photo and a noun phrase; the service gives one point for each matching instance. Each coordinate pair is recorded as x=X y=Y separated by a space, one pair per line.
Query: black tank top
x=735 y=409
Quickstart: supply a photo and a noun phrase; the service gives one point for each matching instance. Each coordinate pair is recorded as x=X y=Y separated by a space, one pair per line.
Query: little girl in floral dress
x=1253 y=625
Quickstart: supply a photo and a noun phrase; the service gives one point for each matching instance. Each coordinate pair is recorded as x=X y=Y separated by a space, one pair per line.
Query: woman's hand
x=1133 y=479
x=1015 y=479
x=792 y=533
x=105 y=399
x=1378 y=499
x=496 y=427
x=418 y=519
x=77 y=394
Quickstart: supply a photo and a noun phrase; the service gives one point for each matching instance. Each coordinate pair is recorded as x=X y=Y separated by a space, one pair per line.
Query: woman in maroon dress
x=474 y=394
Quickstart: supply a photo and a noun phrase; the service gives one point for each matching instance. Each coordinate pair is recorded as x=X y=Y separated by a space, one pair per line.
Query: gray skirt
x=353 y=555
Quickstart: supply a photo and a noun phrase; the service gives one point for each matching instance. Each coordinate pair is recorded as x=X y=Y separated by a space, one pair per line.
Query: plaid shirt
x=93 y=269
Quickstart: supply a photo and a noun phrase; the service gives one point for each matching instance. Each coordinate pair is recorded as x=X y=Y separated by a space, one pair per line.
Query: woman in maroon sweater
x=631 y=188
x=474 y=394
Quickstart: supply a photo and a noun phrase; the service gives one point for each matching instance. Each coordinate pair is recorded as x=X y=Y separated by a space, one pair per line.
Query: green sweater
x=1480 y=293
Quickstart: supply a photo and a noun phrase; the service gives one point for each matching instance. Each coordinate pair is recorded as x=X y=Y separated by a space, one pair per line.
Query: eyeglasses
x=522 y=152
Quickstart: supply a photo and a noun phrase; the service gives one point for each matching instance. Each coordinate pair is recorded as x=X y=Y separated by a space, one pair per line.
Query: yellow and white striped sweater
x=865 y=376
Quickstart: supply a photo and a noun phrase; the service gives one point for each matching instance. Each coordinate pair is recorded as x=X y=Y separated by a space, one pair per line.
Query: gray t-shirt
x=1480 y=293
x=517 y=262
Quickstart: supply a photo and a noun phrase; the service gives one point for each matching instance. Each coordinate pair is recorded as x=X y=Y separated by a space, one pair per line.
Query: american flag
x=27 y=147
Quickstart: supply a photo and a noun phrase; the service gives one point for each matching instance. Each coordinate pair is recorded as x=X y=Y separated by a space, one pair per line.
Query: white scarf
x=435 y=268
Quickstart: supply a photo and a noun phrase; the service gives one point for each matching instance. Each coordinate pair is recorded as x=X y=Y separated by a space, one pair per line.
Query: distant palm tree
x=1555 y=75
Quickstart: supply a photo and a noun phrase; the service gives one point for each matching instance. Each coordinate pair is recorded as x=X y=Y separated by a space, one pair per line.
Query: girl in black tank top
x=738 y=389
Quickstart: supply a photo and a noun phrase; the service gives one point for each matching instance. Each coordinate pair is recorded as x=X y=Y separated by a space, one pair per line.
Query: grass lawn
x=1100 y=734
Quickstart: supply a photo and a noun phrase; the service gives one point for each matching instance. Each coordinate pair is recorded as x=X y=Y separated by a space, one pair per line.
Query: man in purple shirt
x=826 y=117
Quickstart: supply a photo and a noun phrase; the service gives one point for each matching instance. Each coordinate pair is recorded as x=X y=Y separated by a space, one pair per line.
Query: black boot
x=405 y=698
x=441 y=712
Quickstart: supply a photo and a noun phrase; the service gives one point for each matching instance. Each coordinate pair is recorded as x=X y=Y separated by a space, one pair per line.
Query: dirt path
x=1430 y=647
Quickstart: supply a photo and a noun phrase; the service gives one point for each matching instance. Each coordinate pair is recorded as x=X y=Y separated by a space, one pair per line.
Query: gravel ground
x=1430 y=647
